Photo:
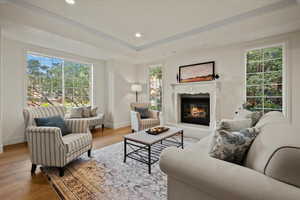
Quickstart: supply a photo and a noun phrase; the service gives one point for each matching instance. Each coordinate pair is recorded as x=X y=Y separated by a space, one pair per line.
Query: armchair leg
x=132 y=130
x=61 y=171
x=33 y=168
x=89 y=153
x=102 y=127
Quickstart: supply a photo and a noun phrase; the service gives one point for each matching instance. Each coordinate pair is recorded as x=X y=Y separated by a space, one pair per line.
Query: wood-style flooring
x=16 y=181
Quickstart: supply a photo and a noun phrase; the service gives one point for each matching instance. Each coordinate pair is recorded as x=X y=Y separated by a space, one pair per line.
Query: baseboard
x=108 y=125
x=1 y=148
x=121 y=124
x=15 y=141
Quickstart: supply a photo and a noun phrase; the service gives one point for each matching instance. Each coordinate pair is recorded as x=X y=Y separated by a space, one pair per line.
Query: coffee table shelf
x=146 y=148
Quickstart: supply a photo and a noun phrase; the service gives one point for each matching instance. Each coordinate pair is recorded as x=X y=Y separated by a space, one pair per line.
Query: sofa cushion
x=76 y=112
x=86 y=111
x=93 y=112
x=74 y=142
x=233 y=146
x=55 y=121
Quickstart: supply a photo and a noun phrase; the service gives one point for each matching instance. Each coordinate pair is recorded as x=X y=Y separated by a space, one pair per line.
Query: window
x=55 y=81
x=264 y=80
x=155 y=87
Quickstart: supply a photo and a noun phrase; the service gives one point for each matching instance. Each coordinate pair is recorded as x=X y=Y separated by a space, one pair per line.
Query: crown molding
x=247 y=15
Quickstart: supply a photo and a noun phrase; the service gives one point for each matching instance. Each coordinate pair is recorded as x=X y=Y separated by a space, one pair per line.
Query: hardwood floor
x=16 y=181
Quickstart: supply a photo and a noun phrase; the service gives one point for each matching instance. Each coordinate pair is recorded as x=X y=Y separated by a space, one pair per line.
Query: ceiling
x=167 y=26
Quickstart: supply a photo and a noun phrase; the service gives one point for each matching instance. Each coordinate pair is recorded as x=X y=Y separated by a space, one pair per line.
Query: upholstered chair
x=137 y=123
x=47 y=145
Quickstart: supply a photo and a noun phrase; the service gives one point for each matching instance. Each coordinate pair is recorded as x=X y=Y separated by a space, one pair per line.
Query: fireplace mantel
x=206 y=87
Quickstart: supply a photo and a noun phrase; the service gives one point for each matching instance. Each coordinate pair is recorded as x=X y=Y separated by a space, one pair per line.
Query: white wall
x=1 y=96
x=119 y=77
x=14 y=80
x=230 y=66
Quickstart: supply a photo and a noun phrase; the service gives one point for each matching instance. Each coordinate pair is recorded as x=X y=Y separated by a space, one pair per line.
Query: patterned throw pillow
x=232 y=146
x=86 y=111
x=76 y=112
x=94 y=112
x=234 y=124
x=246 y=114
x=144 y=112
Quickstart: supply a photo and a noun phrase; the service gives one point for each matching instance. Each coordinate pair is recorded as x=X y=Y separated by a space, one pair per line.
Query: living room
x=109 y=72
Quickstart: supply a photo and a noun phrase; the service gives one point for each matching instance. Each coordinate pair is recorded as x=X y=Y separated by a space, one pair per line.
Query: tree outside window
x=264 y=79
x=155 y=87
x=55 y=81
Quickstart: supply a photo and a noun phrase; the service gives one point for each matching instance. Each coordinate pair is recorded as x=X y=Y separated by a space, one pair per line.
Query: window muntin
x=55 y=81
x=264 y=79
x=155 y=87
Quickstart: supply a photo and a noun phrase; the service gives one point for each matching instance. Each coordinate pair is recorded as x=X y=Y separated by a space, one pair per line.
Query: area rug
x=106 y=177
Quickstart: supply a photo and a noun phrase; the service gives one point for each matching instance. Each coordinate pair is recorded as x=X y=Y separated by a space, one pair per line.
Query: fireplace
x=195 y=109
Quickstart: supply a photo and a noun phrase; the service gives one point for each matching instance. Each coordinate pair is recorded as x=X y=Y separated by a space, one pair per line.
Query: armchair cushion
x=144 y=112
x=55 y=121
x=74 y=142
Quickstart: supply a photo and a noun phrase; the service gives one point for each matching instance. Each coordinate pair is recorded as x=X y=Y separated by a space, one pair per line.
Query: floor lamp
x=136 y=88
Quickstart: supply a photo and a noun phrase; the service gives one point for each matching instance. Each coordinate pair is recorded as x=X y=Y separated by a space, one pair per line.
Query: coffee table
x=146 y=148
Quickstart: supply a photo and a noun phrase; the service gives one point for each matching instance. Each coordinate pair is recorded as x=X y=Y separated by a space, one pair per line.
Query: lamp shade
x=136 y=87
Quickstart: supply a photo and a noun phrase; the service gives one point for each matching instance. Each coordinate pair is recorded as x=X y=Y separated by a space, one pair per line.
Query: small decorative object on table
x=157 y=130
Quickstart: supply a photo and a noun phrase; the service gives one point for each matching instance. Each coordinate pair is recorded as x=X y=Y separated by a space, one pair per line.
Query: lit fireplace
x=195 y=109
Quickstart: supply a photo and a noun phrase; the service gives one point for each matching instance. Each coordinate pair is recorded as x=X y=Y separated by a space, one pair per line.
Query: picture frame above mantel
x=197 y=72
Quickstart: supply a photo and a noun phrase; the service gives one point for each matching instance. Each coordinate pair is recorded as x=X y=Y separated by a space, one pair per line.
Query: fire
x=197 y=112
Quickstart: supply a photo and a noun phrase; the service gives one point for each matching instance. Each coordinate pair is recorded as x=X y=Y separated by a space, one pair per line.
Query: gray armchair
x=137 y=123
x=47 y=145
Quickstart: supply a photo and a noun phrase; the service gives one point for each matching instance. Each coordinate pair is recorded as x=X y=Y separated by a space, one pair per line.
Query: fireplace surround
x=205 y=89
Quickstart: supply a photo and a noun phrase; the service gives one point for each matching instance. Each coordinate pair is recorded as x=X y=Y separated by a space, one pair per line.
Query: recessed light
x=138 y=35
x=70 y=2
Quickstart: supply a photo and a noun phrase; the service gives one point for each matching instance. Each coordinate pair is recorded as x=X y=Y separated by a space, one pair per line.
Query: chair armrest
x=154 y=114
x=42 y=134
x=78 y=125
x=223 y=180
x=135 y=119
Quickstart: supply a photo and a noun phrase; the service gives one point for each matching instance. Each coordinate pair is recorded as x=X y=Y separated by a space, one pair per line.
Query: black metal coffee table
x=146 y=148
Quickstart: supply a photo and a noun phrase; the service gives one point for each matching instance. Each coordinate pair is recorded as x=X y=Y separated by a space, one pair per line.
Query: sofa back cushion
x=275 y=152
x=40 y=112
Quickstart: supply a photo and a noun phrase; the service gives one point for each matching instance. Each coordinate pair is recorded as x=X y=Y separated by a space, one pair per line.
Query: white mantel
x=207 y=87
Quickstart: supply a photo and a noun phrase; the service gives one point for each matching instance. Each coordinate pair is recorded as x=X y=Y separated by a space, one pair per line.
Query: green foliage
x=45 y=82
x=155 y=82
x=264 y=79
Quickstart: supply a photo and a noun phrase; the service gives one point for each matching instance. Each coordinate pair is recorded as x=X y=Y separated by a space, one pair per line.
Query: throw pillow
x=246 y=114
x=76 y=112
x=233 y=146
x=144 y=112
x=94 y=112
x=86 y=111
x=56 y=121
x=234 y=124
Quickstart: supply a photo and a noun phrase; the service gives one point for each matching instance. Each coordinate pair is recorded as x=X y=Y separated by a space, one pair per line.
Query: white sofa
x=271 y=169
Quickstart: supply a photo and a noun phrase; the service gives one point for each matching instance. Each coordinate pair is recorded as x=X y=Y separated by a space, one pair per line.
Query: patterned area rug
x=106 y=177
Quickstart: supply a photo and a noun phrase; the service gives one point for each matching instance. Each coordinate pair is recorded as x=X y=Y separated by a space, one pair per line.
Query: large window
x=55 y=81
x=265 y=79
x=155 y=87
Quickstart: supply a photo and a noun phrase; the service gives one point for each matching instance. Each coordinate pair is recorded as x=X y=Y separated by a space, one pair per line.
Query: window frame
x=26 y=81
x=162 y=83
x=285 y=81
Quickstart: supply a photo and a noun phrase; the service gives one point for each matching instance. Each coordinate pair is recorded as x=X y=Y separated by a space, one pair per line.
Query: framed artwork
x=197 y=72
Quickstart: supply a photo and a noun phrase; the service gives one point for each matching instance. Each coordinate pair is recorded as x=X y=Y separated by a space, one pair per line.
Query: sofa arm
x=44 y=143
x=135 y=119
x=78 y=125
x=223 y=180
